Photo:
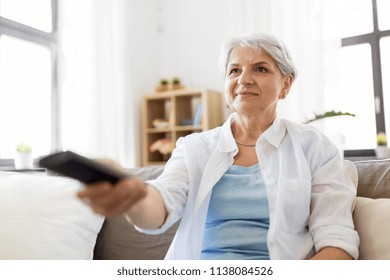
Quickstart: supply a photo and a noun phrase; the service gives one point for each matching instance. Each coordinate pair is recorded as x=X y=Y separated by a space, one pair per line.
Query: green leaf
x=328 y=115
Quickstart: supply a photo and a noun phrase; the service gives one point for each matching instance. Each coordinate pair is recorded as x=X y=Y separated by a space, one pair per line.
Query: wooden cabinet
x=172 y=114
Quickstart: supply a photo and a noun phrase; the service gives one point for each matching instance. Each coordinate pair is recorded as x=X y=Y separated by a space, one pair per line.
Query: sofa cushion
x=371 y=218
x=119 y=240
x=372 y=210
x=42 y=218
x=374 y=178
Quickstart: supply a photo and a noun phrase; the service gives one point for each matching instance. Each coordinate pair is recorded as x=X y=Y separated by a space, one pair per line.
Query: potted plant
x=176 y=83
x=382 y=151
x=163 y=85
x=23 y=158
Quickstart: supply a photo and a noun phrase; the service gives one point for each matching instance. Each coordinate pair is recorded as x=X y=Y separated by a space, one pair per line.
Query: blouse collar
x=273 y=135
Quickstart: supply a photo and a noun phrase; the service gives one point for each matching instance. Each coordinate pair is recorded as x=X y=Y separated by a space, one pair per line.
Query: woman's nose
x=245 y=78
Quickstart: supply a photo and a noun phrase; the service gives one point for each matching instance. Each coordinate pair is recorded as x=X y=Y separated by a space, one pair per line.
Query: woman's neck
x=247 y=129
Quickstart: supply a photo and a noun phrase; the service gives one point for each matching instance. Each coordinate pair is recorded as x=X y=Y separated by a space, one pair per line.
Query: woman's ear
x=286 y=86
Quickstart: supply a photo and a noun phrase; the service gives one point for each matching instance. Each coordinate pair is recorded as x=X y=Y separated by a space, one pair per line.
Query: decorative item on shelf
x=198 y=115
x=23 y=157
x=160 y=123
x=186 y=121
x=163 y=85
x=164 y=146
x=176 y=83
x=173 y=84
x=381 y=150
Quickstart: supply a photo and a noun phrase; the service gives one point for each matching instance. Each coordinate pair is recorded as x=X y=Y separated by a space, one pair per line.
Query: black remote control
x=81 y=168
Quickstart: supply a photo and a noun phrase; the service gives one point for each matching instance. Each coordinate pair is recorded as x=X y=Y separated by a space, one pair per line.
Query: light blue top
x=238 y=217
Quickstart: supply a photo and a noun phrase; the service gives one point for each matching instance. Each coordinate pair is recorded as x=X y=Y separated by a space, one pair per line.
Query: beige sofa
x=119 y=240
x=41 y=218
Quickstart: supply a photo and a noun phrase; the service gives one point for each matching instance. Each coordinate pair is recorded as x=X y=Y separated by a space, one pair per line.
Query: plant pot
x=23 y=160
x=382 y=152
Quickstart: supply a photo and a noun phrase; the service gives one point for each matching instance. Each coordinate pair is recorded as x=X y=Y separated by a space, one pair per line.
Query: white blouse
x=310 y=196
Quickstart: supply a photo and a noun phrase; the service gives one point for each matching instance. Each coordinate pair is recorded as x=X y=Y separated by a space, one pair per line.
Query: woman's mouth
x=246 y=93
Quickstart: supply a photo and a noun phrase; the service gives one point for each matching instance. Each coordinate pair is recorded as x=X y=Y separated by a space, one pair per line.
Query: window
x=385 y=62
x=365 y=60
x=358 y=97
x=28 y=96
x=36 y=14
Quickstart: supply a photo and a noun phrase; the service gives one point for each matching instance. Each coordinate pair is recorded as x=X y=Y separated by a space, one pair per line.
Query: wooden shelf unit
x=179 y=108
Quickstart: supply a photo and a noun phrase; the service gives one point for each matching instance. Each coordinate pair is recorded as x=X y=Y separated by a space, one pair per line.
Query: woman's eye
x=233 y=71
x=261 y=69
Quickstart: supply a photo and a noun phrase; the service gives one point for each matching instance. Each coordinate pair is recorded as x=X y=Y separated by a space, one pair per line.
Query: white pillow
x=42 y=218
x=371 y=217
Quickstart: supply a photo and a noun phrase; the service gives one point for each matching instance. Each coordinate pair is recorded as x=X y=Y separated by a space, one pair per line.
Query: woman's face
x=254 y=83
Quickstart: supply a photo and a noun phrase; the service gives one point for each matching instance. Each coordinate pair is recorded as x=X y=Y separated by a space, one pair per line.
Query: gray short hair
x=258 y=42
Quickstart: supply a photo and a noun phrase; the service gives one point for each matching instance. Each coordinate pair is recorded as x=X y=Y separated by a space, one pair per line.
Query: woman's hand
x=142 y=204
x=109 y=200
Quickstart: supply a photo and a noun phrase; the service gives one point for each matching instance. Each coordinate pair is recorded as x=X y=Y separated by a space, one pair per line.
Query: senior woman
x=258 y=187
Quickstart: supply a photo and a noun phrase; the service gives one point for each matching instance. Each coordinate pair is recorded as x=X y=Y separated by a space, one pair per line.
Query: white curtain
x=92 y=78
x=302 y=25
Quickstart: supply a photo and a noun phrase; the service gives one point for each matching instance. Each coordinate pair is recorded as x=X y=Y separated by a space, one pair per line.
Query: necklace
x=245 y=145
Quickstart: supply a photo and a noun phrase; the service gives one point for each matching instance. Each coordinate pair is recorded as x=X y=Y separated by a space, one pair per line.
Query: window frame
x=373 y=39
x=50 y=40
